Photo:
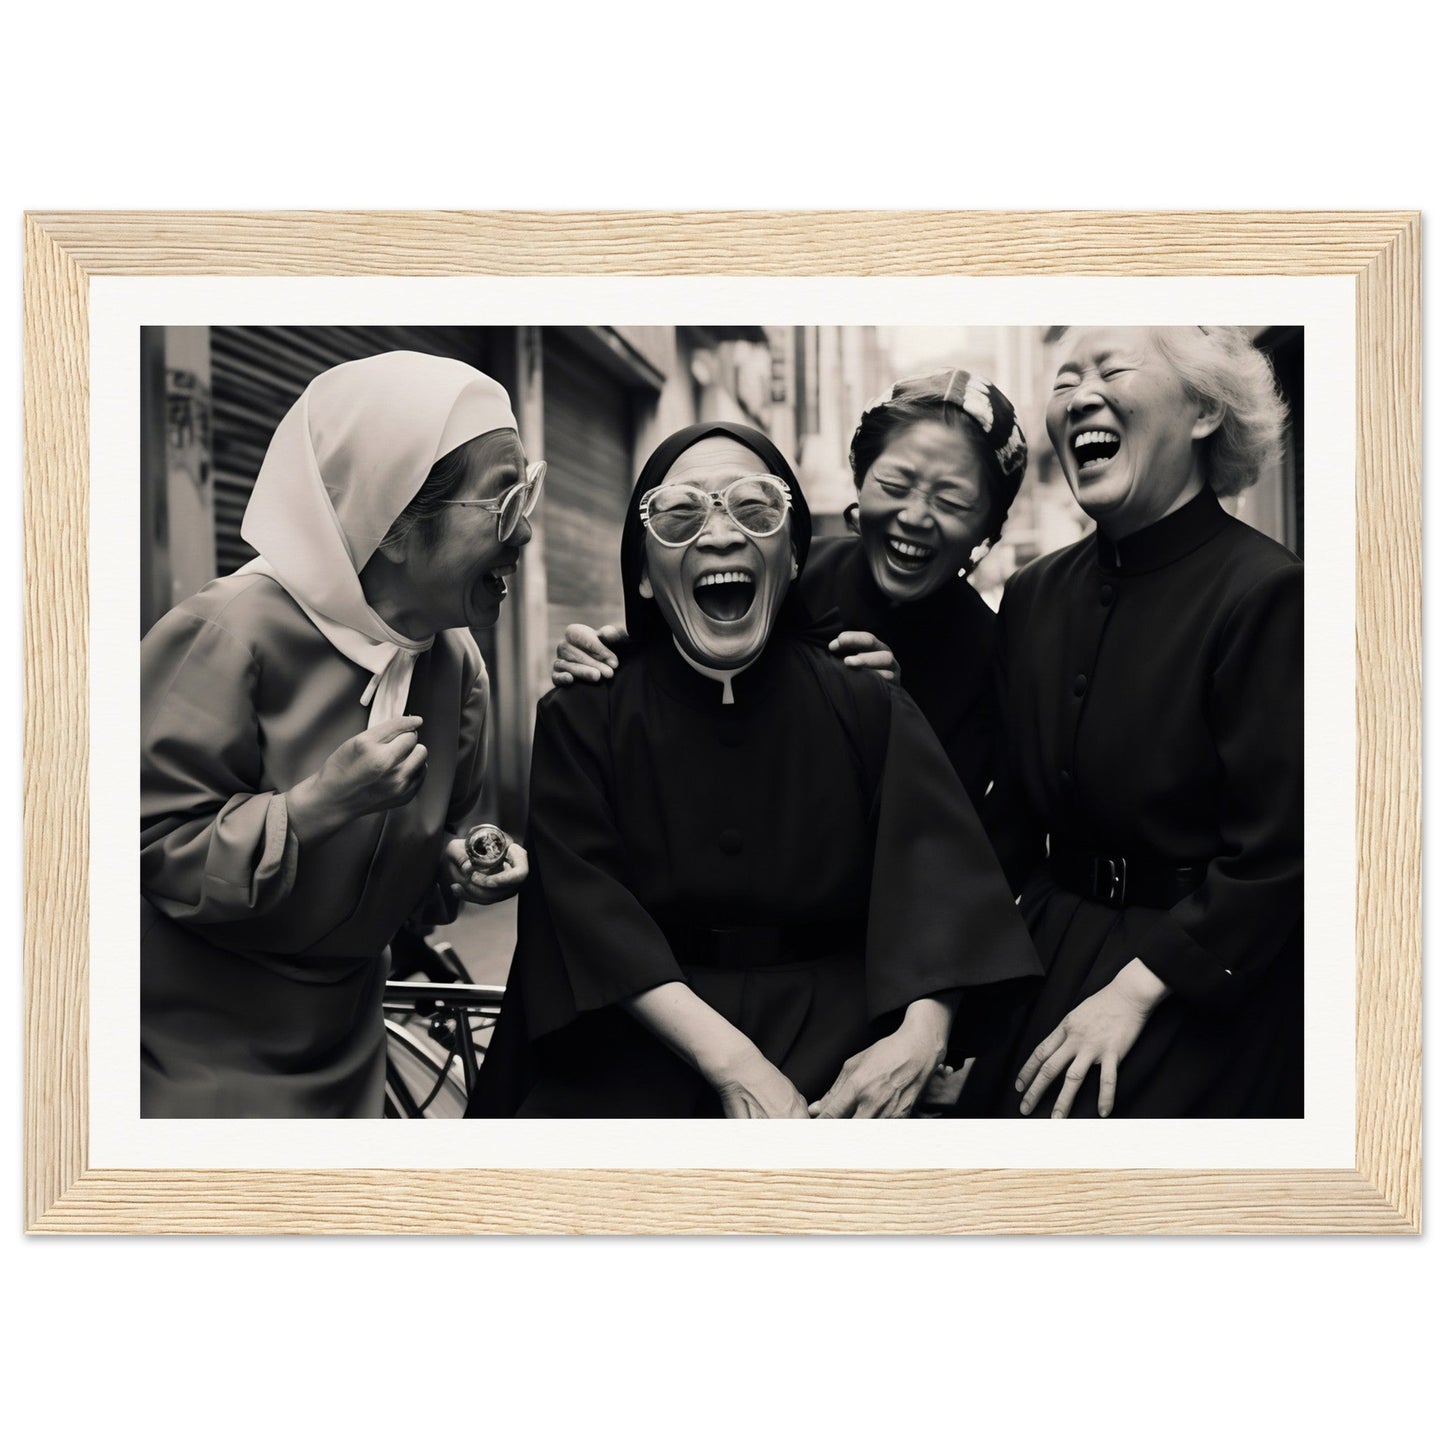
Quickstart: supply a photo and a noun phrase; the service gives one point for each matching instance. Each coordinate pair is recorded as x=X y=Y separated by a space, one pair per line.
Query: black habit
x=803 y=858
x=1153 y=710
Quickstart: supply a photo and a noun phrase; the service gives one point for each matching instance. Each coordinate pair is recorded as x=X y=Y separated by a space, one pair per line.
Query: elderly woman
x=1151 y=808
x=937 y=463
x=758 y=888
x=313 y=736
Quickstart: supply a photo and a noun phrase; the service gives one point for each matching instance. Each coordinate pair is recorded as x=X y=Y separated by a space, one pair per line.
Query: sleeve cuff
x=251 y=863
x=1192 y=972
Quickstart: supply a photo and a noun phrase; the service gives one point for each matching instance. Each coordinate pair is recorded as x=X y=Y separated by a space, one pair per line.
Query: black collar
x=1166 y=540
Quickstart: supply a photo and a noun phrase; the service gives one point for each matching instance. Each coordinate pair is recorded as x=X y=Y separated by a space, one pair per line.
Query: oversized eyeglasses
x=514 y=504
x=676 y=513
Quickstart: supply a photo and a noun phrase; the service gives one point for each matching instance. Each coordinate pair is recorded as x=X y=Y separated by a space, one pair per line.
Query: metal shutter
x=587 y=431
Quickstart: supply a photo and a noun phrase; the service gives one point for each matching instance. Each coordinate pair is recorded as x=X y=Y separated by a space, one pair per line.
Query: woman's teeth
x=909 y=556
x=1091 y=447
x=725 y=596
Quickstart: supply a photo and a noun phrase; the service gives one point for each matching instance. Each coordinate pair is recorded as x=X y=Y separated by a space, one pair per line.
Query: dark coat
x=1153 y=708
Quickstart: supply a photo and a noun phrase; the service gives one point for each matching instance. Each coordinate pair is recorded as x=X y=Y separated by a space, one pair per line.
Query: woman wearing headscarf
x=313 y=735
x=757 y=886
x=937 y=463
x=1151 y=808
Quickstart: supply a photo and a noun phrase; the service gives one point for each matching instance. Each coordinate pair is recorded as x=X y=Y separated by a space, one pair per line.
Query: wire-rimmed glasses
x=514 y=504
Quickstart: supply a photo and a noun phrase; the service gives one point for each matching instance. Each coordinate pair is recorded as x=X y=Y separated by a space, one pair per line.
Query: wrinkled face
x=459 y=576
x=922 y=509
x=1124 y=427
x=720 y=593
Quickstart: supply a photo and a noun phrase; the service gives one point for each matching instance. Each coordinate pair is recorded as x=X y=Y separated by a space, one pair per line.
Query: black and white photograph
x=736 y=721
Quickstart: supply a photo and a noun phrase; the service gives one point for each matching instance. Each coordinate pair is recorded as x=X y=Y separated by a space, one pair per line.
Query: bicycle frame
x=457 y=1005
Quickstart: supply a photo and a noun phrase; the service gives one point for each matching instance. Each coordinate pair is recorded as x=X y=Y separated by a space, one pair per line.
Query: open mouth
x=725 y=596
x=1092 y=449
x=494 y=583
x=908 y=557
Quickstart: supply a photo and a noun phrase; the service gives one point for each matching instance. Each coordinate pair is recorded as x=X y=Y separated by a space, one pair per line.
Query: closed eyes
x=948 y=501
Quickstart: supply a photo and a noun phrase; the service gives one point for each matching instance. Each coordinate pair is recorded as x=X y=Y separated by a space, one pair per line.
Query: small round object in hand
x=487 y=847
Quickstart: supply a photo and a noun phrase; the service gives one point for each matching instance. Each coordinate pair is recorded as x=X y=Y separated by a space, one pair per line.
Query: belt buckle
x=1111 y=878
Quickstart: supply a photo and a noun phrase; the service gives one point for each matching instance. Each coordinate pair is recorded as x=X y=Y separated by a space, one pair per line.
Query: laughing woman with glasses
x=313 y=737
x=758 y=889
x=937 y=463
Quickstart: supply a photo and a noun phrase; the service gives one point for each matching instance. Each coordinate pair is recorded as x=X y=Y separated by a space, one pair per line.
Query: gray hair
x=1220 y=366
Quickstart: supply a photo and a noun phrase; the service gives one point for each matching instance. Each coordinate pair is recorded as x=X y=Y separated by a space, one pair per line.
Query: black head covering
x=645 y=621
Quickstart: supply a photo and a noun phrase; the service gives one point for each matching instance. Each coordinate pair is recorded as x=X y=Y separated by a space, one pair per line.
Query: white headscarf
x=342 y=467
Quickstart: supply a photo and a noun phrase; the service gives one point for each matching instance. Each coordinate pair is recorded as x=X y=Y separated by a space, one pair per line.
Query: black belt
x=1135 y=881
x=760 y=946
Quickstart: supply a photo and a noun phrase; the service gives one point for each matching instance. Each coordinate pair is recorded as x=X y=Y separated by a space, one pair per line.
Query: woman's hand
x=469 y=883
x=862 y=649
x=586 y=656
x=944 y=1086
x=748 y=1085
x=1101 y=1030
x=383 y=767
x=885 y=1080
x=756 y=1089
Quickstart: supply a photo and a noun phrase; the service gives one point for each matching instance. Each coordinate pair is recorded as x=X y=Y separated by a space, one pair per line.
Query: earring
x=974 y=558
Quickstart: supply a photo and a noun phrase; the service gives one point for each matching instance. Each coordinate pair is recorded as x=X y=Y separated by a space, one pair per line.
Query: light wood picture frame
x=1381 y=1194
